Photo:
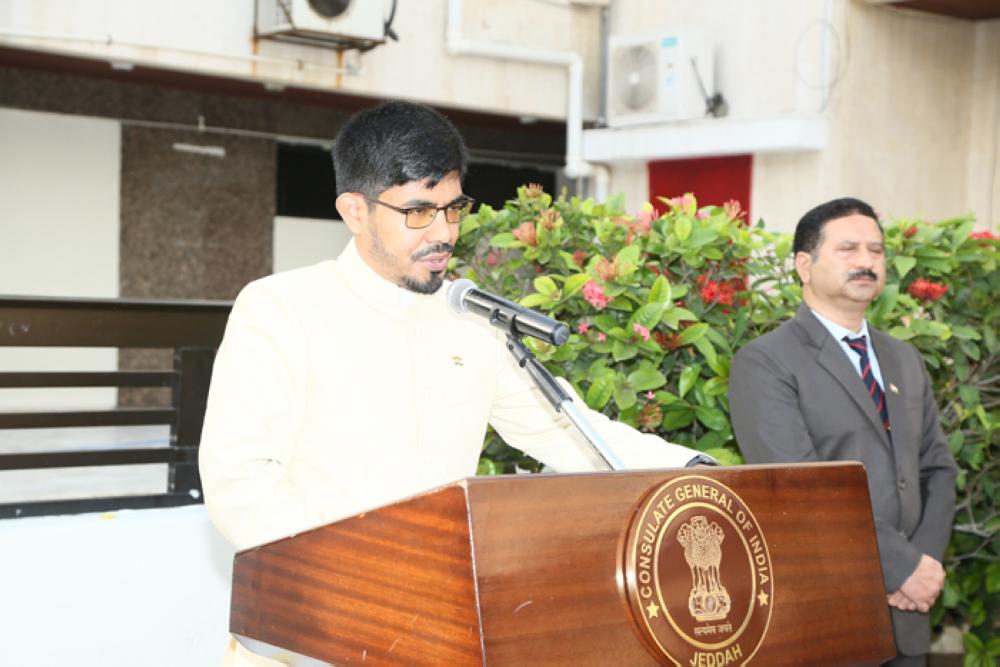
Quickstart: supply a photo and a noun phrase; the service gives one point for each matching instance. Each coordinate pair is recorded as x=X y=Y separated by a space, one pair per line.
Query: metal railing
x=191 y=329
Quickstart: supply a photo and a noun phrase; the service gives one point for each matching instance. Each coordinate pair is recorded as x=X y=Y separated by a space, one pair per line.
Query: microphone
x=464 y=297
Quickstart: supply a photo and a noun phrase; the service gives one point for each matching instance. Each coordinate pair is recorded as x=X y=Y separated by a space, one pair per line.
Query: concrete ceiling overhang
x=974 y=10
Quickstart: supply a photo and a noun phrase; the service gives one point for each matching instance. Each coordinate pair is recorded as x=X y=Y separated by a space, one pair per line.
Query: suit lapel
x=831 y=357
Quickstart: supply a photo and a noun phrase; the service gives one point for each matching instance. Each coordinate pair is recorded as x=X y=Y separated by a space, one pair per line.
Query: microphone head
x=456 y=294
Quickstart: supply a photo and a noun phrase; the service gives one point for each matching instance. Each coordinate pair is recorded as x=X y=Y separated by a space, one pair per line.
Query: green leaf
x=599 y=392
x=682 y=228
x=621 y=350
x=488 y=467
x=783 y=246
x=660 y=292
x=628 y=258
x=950 y=595
x=716 y=386
x=972 y=643
x=726 y=457
x=692 y=333
x=903 y=264
x=574 y=284
x=647 y=316
x=646 y=378
x=503 y=240
x=885 y=303
x=712 y=418
x=677 y=418
x=707 y=350
x=993 y=577
x=535 y=300
x=624 y=396
x=965 y=332
x=688 y=377
x=969 y=395
x=545 y=285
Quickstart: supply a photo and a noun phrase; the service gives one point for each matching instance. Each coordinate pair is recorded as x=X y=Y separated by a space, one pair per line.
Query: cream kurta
x=335 y=391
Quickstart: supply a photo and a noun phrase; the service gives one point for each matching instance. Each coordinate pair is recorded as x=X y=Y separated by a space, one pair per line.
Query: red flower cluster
x=910 y=232
x=668 y=341
x=580 y=258
x=722 y=291
x=926 y=289
x=984 y=235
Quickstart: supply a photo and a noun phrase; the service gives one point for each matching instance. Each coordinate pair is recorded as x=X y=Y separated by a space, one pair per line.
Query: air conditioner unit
x=653 y=79
x=345 y=23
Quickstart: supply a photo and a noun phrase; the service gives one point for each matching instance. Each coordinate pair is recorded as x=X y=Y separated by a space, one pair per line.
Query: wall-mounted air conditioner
x=653 y=79
x=347 y=23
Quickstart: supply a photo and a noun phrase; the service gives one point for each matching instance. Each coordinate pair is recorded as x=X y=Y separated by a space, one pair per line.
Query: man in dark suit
x=826 y=387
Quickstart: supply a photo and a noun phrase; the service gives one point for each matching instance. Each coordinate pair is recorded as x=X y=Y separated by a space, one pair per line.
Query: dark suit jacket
x=795 y=396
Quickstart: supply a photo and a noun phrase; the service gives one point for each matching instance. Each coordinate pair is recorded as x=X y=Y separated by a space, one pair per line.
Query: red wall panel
x=713 y=180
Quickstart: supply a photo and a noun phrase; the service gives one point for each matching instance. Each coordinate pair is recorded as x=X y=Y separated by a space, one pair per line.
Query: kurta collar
x=375 y=290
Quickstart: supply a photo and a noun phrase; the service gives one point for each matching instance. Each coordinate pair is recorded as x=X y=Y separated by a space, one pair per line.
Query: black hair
x=809 y=231
x=395 y=143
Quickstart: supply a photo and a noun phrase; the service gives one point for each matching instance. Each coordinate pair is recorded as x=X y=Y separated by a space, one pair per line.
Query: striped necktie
x=860 y=345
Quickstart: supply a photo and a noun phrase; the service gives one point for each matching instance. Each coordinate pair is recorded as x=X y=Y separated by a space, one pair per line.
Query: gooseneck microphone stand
x=561 y=401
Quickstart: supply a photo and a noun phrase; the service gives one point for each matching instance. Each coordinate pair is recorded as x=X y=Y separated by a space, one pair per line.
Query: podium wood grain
x=528 y=570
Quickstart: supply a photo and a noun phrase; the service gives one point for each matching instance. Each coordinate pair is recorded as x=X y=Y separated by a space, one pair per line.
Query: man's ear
x=803 y=266
x=353 y=210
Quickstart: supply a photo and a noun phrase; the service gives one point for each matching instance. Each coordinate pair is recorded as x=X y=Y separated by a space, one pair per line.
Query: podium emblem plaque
x=697 y=573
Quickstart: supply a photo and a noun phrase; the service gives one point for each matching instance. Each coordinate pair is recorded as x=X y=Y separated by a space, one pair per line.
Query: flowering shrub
x=659 y=303
x=941 y=296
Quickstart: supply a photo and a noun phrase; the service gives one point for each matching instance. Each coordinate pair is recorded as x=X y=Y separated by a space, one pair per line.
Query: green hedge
x=659 y=304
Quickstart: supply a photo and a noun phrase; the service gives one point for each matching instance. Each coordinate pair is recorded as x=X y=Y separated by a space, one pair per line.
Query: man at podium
x=825 y=386
x=350 y=384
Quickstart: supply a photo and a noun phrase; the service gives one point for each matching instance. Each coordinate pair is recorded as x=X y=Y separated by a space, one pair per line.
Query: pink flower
x=732 y=209
x=641 y=330
x=583 y=327
x=526 y=234
x=595 y=295
x=650 y=395
x=701 y=215
x=984 y=235
x=601 y=337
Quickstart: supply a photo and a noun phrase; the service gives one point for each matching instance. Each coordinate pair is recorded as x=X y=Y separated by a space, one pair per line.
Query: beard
x=429 y=286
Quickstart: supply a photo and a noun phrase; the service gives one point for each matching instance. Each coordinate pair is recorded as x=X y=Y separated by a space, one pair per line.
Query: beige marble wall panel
x=983 y=182
x=900 y=133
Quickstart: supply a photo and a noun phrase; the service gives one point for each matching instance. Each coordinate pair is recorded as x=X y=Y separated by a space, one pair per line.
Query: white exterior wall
x=899 y=123
x=130 y=588
x=59 y=228
x=184 y=34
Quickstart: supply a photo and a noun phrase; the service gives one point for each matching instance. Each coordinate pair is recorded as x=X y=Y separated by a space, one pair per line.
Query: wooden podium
x=702 y=567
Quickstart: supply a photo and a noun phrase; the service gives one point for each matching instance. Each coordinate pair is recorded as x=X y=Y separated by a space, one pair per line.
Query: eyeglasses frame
x=466 y=202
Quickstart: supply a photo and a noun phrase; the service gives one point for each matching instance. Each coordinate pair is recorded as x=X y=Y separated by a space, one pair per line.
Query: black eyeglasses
x=419 y=217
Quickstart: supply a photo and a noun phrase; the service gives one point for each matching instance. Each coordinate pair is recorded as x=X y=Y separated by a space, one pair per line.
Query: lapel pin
x=893 y=388
x=457 y=361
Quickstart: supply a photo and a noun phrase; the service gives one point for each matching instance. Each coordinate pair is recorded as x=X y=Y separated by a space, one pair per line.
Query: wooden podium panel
x=534 y=570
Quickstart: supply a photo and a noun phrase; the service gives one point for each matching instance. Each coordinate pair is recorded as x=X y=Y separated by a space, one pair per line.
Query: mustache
x=435 y=249
x=862 y=273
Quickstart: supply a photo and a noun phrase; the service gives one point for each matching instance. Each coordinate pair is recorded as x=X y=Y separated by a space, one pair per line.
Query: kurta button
x=902 y=484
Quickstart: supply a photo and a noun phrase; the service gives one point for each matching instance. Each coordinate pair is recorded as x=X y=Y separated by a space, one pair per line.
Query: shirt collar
x=375 y=290
x=837 y=331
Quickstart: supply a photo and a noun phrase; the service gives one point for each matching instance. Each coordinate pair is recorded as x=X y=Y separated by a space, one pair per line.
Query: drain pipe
x=456 y=44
